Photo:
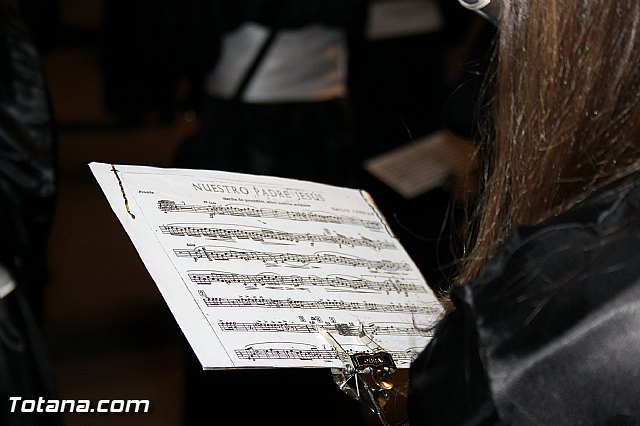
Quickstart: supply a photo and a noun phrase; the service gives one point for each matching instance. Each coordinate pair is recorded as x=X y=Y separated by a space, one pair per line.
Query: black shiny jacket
x=27 y=175
x=549 y=334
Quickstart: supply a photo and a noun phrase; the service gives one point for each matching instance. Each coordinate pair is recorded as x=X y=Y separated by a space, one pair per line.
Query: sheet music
x=250 y=264
x=422 y=165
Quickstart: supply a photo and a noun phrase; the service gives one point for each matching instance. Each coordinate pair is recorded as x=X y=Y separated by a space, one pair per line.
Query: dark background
x=110 y=334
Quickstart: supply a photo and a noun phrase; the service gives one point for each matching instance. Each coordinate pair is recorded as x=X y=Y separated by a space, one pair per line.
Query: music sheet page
x=250 y=266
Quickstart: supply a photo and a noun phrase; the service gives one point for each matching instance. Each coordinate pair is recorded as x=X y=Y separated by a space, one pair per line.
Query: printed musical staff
x=265 y=235
x=339 y=305
x=274 y=280
x=213 y=210
x=253 y=354
x=273 y=353
x=342 y=329
x=405 y=356
x=292 y=258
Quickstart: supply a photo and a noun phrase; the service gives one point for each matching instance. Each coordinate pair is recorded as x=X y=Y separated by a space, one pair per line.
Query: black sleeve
x=27 y=175
x=448 y=384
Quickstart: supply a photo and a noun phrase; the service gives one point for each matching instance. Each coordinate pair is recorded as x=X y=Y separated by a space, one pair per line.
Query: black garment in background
x=466 y=101
x=397 y=91
x=549 y=332
x=27 y=163
x=25 y=370
x=398 y=85
x=42 y=17
x=303 y=140
x=27 y=190
x=141 y=57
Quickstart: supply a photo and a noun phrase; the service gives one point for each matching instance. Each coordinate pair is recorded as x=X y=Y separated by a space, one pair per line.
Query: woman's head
x=565 y=113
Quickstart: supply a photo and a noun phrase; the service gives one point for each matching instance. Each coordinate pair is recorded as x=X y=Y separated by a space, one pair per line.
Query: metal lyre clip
x=365 y=377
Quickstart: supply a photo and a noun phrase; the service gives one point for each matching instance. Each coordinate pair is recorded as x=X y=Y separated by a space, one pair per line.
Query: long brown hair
x=566 y=113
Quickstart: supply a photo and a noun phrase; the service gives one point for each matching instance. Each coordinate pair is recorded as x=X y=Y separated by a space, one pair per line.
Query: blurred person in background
x=27 y=192
x=274 y=79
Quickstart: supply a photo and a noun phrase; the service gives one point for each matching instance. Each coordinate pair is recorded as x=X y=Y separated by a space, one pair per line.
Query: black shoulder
x=556 y=315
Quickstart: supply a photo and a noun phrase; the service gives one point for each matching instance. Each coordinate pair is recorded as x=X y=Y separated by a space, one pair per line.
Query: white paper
x=249 y=265
x=403 y=18
x=420 y=166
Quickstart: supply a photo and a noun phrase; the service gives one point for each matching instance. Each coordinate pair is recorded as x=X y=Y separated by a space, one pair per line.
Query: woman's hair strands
x=565 y=114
